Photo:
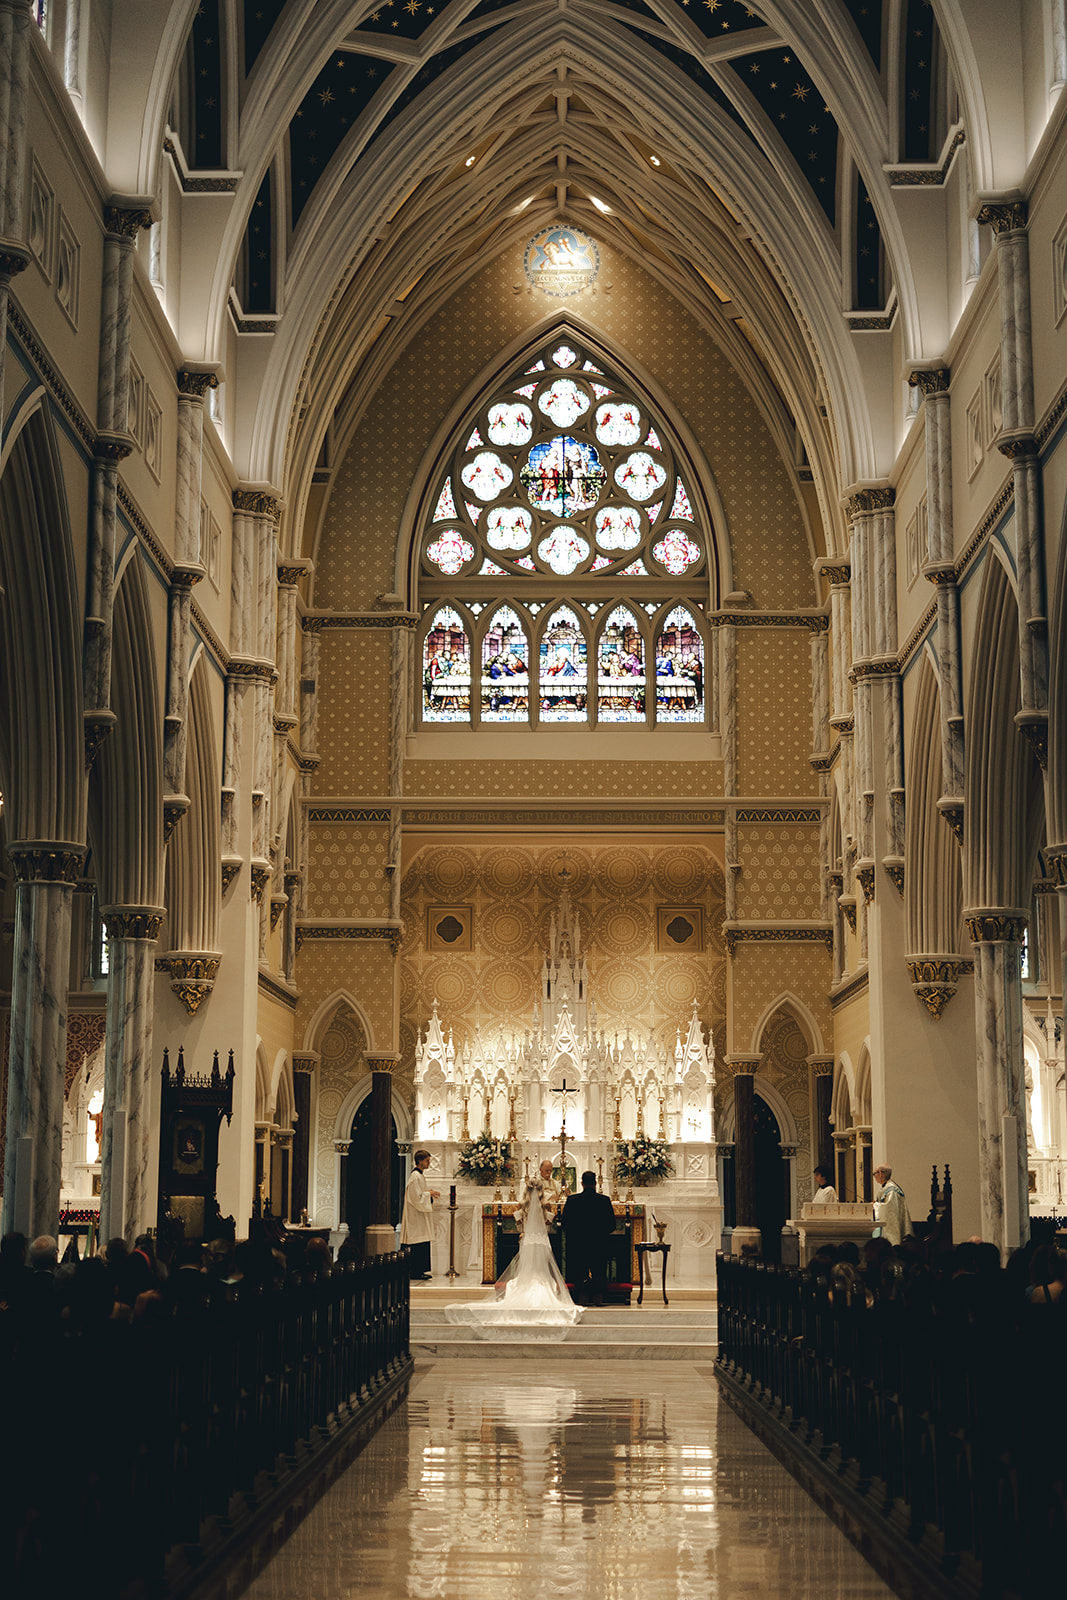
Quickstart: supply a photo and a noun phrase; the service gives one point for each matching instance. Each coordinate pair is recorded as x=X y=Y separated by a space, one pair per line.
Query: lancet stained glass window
x=565 y=568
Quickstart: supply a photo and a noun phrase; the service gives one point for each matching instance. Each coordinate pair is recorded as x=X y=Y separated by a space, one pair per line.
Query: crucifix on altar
x=564 y=1094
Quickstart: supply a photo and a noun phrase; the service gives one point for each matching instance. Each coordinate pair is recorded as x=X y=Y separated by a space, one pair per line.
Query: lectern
x=191 y=1113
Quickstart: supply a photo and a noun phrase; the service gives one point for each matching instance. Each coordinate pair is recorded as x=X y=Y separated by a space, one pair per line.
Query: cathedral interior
x=453 y=455
x=533 y=613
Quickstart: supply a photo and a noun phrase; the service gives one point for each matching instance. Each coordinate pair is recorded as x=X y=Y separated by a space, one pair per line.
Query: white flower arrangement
x=642 y=1160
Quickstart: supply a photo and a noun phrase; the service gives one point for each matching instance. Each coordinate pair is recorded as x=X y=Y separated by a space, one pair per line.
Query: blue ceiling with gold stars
x=763 y=90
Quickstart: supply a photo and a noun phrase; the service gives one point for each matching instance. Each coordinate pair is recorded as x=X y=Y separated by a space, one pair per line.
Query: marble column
x=822 y=1144
x=304 y=1065
x=728 y=674
x=290 y=575
x=188 y=570
x=997 y=936
x=129 y=1140
x=380 y=1237
x=1008 y=220
x=746 y=1235
x=939 y=569
x=114 y=444
x=45 y=875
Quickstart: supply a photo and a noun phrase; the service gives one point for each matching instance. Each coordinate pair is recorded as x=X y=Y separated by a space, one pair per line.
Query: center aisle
x=620 y=1480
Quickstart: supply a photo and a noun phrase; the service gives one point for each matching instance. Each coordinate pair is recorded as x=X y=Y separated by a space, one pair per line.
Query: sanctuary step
x=684 y=1332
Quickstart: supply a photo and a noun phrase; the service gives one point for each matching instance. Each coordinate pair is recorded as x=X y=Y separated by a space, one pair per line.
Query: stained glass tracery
x=567 y=477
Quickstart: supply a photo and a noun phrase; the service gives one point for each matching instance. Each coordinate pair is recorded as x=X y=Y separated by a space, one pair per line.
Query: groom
x=588 y=1223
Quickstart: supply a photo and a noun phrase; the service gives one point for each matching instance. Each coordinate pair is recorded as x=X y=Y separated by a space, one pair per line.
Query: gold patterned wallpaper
x=763 y=971
x=573 y=780
x=346 y=870
x=513 y=892
x=354 y=711
x=359 y=968
x=774 y=712
x=355 y=556
x=780 y=874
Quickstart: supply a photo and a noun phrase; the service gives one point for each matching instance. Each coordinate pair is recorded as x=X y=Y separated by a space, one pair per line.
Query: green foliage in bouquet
x=642 y=1160
x=485 y=1160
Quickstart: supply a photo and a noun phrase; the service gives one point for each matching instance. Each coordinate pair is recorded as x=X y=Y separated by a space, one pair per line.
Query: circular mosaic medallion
x=561 y=261
x=681 y=872
x=330 y=1103
x=450 y=872
x=680 y=988
x=577 y=866
x=622 y=872
x=507 y=986
x=451 y=986
x=336 y=1043
x=506 y=927
x=623 y=930
x=624 y=987
x=508 y=873
x=409 y=987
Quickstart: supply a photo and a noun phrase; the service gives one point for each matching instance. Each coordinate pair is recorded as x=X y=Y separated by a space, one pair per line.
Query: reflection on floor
x=621 y=1479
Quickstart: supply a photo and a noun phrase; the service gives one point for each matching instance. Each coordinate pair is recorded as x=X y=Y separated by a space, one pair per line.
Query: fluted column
x=997 y=936
x=381 y=1234
x=822 y=1074
x=746 y=1235
x=939 y=569
x=290 y=575
x=114 y=444
x=1016 y=441
x=129 y=1141
x=249 y=716
x=45 y=874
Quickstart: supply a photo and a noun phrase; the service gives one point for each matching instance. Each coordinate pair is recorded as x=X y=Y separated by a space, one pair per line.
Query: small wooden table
x=642 y=1250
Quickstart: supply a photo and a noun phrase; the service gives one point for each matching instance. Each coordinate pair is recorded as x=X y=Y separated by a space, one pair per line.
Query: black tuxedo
x=588 y=1223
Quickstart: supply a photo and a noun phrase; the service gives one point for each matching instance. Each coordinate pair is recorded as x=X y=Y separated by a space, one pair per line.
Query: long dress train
x=530 y=1299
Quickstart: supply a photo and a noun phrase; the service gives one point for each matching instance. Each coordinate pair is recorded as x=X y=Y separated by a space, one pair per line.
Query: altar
x=554 y=1087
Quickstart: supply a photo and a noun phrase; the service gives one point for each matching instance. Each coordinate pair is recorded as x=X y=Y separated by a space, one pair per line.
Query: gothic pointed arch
x=1003 y=781
x=126 y=779
x=42 y=748
x=564 y=502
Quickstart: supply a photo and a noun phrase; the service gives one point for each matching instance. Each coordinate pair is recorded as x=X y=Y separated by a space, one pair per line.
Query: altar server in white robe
x=416 y=1224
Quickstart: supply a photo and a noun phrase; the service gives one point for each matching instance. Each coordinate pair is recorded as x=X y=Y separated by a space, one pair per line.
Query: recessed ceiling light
x=470 y=161
x=654 y=160
x=599 y=204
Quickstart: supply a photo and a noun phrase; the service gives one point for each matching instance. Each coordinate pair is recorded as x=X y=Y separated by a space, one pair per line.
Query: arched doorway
x=358 y=1186
x=770 y=1180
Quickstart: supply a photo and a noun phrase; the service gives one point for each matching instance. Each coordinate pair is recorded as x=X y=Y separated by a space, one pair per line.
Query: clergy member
x=416 y=1225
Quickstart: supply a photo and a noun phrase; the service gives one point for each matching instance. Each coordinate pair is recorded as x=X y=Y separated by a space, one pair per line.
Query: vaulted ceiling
x=779 y=166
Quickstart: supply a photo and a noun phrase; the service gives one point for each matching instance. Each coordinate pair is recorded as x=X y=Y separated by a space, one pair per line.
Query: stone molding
x=747 y=933
x=996 y=926
x=348 y=930
x=464 y=814
x=315 y=622
x=195 y=385
x=46 y=861
x=930 y=380
x=767 y=814
x=269 y=985
x=348 y=814
x=866 y=501
x=850 y=989
x=133 y=922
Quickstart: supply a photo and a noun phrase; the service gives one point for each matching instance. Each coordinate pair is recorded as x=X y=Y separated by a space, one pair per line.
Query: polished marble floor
x=513 y=1481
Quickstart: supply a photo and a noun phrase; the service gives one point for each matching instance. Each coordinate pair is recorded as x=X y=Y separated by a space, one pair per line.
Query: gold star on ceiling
x=326 y=97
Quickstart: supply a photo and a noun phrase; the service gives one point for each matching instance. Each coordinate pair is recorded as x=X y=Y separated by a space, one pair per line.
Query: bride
x=530 y=1299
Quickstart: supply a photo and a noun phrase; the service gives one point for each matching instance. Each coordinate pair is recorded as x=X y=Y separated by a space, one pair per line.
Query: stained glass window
x=446 y=669
x=680 y=669
x=505 y=669
x=563 y=543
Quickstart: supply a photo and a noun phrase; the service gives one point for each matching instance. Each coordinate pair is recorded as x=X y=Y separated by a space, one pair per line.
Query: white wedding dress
x=530 y=1299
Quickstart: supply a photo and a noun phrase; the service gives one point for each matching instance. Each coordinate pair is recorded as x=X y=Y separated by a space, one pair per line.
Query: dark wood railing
x=935 y=1417
x=141 y=1456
